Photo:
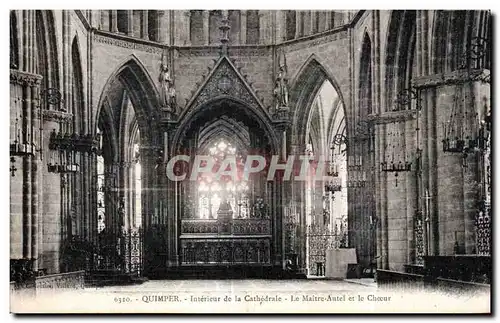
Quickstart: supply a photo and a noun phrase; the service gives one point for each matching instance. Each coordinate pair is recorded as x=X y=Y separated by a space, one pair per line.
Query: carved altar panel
x=234 y=227
x=225 y=251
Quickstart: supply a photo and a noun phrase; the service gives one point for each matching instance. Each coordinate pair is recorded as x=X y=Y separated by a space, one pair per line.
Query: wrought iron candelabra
x=392 y=167
x=67 y=147
x=357 y=178
x=333 y=184
x=459 y=137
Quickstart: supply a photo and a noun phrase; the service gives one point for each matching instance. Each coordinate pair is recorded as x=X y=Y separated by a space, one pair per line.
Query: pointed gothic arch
x=452 y=35
x=227 y=128
x=14 y=41
x=132 y=77
x=108 y=131
x=337 y=123
x=400 y=53
x=78 y=104
x=365 y=78
x=304 y=88
x=47 y=54
x=211 y=93
x=215 y=105
x=313 y=124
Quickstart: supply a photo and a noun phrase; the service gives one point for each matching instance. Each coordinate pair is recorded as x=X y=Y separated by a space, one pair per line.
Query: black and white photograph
x=250 y=161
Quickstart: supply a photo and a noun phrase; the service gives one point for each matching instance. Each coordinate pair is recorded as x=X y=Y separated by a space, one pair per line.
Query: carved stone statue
x=168 y=101
x=281 y=87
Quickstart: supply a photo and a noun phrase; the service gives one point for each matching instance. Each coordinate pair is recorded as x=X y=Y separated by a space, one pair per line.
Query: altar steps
x=112 y=278
x=223 y=272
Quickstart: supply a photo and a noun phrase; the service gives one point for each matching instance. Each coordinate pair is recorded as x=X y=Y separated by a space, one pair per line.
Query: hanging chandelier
x=26 y=141
x=393 y=161
x=66 y=149
x=333 y=184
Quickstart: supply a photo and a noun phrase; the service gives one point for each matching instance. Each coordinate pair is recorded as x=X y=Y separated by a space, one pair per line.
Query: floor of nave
x=246 y=296
x=241 y=285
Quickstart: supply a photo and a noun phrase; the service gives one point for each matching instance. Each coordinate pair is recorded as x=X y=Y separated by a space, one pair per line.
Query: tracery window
x=212 y=191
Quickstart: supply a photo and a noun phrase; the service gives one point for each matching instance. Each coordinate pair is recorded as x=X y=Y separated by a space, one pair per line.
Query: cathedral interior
x=396 y=102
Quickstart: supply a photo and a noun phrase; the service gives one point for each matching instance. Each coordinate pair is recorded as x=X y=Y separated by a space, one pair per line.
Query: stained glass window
x=212 y=192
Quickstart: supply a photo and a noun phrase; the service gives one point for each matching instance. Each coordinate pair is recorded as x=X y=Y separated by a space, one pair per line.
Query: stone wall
x=336 y=50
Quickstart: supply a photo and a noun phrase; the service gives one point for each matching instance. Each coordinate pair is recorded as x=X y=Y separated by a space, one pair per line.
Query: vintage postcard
x=250 y=161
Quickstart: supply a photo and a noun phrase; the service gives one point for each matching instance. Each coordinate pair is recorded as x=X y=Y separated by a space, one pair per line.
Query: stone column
x=35 y=126
x=146 y=207
x=472 y=188
x=144 y=22
x=263 y=26
x=433 y=234
x=27 y=64
x=123 y=171
x=186 y=29
x=243 y=27
x=307 y=23
x=92 y=180
x=383 y=199
x=27 y=203
x=313 y=22
x=171 y=214
x=131 y=25
x=298 y=23
x=328 y=20
x=206 y=27
x=410 y=192
x=279 y=18
x=30 y=127
x=103 y=19
x=114 y=21
x=68 y=197
x=164 y=26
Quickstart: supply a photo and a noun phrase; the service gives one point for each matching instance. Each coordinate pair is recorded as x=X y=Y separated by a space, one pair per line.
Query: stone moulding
x=198 y=51
x=191 y=51
x=455 y=77
x=53 y=115
x=392 y=116
x=127 y=42
x=318 y=40
x=24 y=78
x=233 y=51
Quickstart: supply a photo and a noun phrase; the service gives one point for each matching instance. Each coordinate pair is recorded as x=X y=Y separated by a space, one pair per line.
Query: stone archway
x=129 y=104
x=315 y=126
x=253 y=240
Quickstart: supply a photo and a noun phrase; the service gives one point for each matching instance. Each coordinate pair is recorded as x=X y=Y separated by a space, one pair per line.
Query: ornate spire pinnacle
x=282 y=62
